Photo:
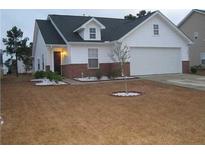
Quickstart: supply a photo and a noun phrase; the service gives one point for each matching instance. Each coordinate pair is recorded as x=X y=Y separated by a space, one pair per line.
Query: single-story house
x=193 y=25
x=72 y=45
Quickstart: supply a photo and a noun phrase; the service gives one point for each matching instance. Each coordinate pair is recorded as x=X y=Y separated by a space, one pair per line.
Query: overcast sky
x=25 y=19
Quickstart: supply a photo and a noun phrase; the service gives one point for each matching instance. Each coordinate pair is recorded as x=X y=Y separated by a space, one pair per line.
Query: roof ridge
x=41 y=20
x=95 y=16
x=199 y=10
x=83 y=16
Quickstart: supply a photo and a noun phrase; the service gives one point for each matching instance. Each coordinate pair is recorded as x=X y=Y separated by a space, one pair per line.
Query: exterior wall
x=79 y=53
x=76 y=70
x=81 y=33
x=144 y=37
x=195 y=23
x=79 y=60
x=40 y=49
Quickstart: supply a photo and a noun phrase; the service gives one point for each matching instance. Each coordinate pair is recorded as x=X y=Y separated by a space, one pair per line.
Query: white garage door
x=144 y=61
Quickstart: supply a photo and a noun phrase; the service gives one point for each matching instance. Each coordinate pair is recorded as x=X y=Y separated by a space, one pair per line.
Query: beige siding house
x=193 y=25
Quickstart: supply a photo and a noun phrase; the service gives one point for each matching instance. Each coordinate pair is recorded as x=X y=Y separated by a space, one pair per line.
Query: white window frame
x=156 y=29
x=92 y=33
x=202 y=57
x=94 y=58
x=39 y=64
x=43 y=63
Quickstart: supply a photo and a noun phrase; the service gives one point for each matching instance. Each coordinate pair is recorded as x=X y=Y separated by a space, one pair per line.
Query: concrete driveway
x=183 y=80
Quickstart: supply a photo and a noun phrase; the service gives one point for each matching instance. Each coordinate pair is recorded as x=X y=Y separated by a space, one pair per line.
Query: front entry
x=57 y=62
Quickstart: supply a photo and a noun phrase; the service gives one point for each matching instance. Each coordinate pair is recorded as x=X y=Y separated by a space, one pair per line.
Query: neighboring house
x=72 y=45
x=21 y=66
x=193 y=25
x=3 y=68
x=1 y=58
x=1 y=62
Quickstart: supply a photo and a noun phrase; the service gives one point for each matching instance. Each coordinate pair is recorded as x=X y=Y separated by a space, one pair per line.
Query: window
x=156 y=29
x=93 y=58
x=42 y=61
x=92 y=33
x=196 y=35
x=202 y=56
x=39 y=65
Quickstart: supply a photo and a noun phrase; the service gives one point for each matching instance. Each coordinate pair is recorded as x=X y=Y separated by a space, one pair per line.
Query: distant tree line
x=141 y=13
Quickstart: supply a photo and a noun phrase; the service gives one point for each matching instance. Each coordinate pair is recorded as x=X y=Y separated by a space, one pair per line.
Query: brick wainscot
x=185 y=67
x=75 y=70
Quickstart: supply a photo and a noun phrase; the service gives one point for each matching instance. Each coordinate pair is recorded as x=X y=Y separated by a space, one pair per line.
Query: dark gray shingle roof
x=203 y=11
x=49 y=33
x=115 y=28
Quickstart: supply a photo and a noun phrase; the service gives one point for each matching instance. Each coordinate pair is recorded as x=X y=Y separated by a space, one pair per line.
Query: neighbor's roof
x=49 y=33
x=115 y=28
x=202 y=11
x=189 y=14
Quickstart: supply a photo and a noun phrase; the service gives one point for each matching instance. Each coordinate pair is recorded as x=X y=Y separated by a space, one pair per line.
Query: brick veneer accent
x=185 y=66
x=75 y=70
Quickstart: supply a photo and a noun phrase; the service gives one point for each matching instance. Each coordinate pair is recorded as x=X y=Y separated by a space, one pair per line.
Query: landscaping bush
x=52 y=76
x=98 y=74
x=114 y=73
x=39 y=74
x=193 y=69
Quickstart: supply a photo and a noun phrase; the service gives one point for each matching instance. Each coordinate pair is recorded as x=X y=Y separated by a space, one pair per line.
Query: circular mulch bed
x=126 y=94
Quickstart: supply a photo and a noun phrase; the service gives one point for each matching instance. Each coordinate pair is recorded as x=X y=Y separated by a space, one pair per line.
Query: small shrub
x=39 y=74
x=53 y=76
x=98 y=74
x=199 y=67
x=114 y=73
x=193 y=69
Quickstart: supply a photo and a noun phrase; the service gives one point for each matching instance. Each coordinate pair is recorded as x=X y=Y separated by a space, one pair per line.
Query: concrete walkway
x=183 y=80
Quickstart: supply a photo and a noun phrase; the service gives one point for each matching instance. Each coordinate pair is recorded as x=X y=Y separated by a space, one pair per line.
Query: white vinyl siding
x=93 y=59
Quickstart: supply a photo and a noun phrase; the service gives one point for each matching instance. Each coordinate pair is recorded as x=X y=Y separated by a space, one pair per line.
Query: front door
x=57 y=62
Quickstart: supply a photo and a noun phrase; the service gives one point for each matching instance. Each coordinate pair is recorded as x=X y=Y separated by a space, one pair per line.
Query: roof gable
x=189 y=14
x=89 y=21
x=165 y=19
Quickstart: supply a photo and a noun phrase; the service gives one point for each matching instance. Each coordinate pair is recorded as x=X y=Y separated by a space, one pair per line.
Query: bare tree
x=120 y=54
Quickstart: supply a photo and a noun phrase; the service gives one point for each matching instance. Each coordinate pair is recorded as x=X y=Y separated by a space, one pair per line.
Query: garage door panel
x=154 y=61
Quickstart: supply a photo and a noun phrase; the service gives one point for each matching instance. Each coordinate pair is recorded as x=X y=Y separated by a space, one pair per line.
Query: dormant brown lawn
x=88 y=114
